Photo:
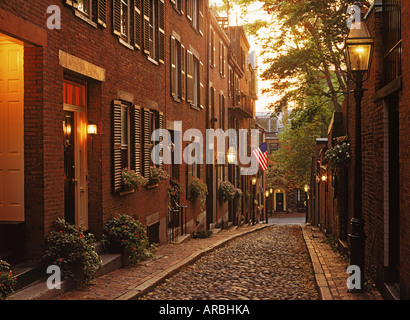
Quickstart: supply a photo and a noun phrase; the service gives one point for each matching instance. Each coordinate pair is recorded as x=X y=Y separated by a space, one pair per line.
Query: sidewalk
x=330 y=269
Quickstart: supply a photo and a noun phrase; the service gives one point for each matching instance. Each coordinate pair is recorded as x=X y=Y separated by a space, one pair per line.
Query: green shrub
x=123 y=233
x=71 y=249
x=7 y=280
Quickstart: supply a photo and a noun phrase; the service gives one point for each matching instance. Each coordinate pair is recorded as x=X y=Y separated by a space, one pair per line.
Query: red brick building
x=127 y=66
x=385 y=156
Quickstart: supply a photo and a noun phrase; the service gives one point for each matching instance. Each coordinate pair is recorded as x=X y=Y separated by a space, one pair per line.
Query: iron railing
x=176 y=222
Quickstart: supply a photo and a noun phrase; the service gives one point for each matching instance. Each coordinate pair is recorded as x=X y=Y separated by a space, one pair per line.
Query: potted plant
x=156 y=174
x=7 y=280
x=124 y=234
x=132 y=180
x=72 y=250
x=199 y=189
x=227 y=191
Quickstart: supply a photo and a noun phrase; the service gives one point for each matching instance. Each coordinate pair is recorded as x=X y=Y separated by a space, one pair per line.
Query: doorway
x=280 y=202
x=75 y=154
x=11 y=130
x=394 y=192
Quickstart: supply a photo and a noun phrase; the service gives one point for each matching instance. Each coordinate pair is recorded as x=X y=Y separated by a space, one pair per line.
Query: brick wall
x=404 y=147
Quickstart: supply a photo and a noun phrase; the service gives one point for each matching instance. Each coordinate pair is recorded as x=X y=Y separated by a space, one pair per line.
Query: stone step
x=27 y=273
x=36 y=288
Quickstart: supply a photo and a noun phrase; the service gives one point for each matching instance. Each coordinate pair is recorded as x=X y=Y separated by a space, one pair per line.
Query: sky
x=236 y=18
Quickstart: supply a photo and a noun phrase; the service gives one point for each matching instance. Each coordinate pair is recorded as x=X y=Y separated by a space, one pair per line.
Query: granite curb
x=320 y=278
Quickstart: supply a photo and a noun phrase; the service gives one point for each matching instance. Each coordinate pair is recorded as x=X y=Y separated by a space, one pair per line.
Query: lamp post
x=231 y=157
x=253 y=181
x=359 y=47
x=306 y=188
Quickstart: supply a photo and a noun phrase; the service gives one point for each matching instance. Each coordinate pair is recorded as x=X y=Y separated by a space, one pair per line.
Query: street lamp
x=253 y=181
x=359 y=48
x=231 y=155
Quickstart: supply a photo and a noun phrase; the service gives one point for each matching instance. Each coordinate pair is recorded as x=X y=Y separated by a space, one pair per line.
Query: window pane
x=196 y=82
x=74 y=94
x=84 y=6
x=124 y=17
x=124 y=126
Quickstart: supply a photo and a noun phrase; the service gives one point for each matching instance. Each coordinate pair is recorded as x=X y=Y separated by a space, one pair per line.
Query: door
x=69 y=168
x=75 y=154
x=394 y=192
x=279 y=202
x=11 y=130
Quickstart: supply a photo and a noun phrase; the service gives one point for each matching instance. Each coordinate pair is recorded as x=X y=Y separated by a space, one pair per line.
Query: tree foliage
x=302 y=45
x=291 y=163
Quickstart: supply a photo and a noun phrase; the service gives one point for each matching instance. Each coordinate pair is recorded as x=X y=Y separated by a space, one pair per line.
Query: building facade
x=385 y=161
x=131 y=69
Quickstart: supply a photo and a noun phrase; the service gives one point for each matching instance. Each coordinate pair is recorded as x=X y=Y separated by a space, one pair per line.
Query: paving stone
x=269 y=264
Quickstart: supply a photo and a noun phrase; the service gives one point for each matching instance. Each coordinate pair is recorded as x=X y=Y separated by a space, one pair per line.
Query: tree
x=302 y=45
x=303 y=48
x=291 y=163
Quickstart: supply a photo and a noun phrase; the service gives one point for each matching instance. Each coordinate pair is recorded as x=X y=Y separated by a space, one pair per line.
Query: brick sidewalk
x=331 y=269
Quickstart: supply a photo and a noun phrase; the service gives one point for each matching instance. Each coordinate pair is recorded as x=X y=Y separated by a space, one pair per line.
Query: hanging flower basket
x=200 y=190
x=227 y=191
x=338 y=156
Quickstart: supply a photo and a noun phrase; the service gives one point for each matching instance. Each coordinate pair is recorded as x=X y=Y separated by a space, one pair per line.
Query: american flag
x=261 y=154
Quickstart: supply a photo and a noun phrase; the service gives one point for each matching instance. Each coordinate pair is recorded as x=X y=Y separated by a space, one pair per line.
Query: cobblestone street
x=270 y=264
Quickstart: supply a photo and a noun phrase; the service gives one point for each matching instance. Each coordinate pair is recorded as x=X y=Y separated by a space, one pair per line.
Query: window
x=125 y=17
x=212 y=49
x=222 y=60
x=154 y=29
x=212 y=104
x=178 y=75
x=132 y=129
x=90 y=11
x=194 y=83
x=85 y=6
x=121 y=19
x=145 y=21
x=392 y=40
x=178 y=5
x=125 y=136
x=221 y=111
x=194 y=10
x=231 y=83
